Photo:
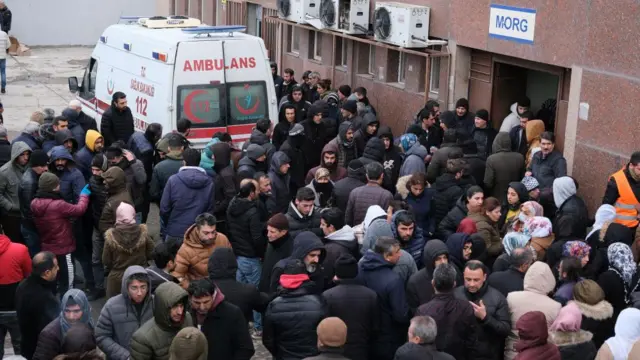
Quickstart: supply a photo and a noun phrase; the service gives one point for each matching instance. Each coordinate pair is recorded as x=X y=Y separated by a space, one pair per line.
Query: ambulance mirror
x=73 y=83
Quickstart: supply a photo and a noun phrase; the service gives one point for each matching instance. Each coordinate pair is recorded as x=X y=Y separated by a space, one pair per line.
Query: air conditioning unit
x=164 y=22
x=346 y=16
x=402 y=24
x=298 y=10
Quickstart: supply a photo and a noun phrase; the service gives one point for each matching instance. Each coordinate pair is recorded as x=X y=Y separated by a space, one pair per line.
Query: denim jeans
x=3 y=72
x=249 y=272
x=96 y=259
x=9 y=322
x=31 y=238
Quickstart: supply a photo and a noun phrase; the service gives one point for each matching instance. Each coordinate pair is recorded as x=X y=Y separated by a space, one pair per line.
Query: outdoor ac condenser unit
x=402 y=24
x=298 y=10
x=346 y=16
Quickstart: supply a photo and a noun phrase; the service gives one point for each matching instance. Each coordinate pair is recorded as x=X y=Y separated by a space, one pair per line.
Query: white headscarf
x=627 y=332
x=563 y=188
x=606 y=213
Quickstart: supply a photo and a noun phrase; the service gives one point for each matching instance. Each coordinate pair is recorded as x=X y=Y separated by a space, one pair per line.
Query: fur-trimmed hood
x=600 y=311
x=565 y=338
x=401 y=186
x=127 y=239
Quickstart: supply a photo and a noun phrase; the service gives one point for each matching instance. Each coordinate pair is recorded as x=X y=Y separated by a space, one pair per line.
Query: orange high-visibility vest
x=626 y=212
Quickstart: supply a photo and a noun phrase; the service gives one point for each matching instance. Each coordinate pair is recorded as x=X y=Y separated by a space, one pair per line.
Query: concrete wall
x=72 y=22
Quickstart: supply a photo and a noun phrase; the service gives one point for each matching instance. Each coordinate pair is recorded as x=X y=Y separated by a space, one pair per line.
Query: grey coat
x=119 y=319
x=10 y=178
x=414 y=160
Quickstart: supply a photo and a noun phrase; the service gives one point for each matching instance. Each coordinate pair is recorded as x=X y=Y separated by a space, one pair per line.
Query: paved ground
x=40 y=81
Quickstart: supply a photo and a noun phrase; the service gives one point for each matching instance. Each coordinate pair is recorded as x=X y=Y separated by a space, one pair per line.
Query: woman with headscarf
x=467 y=226
x=126 y=244
x=510 y=242
x=414 y=155
x=517 y=195
x=572 y=218
x=75 y=308
x=470 y=202
x=528 y=210
x=624 y=345
x=533 y=341
x=322 y=187
x=597 y=313
x=541 y=232
x=617 y=280
x=605 y=214
x=463 y=248
x=487 y=225
x=573 y=342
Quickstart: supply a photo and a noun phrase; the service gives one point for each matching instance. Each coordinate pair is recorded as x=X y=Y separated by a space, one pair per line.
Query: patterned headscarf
x=532 y=208
x=407 y=141
x=538 y=227
x=514 y=240
x=77 y=297
x=621 y=261
x=577 y=249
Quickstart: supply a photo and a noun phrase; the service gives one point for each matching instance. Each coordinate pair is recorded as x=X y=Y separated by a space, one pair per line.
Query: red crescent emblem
x=248 y=111
x=188 y=101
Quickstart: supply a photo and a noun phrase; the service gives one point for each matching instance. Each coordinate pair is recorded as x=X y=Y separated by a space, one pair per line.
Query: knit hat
x=569 y=319
x=530 y=183
x=189 y=344
x=355 y=165
x=39 y=158
x=279 y=221
x=482 y=114
x=296 y=129
x=462 y=102
x=448 y=119
x=332 y=332
x=407 y=141
x=99 y=161
x=351 y=106
x=345 y=90
x=588 y=292
x=346 y=267
x=125 y=214
x=254 y=151
x=48 y=181
x=3 y=132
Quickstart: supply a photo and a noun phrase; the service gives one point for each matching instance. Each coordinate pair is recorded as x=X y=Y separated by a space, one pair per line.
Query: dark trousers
x=9 y=323
x=96 y=259
x=11 y=228
x=83 y=252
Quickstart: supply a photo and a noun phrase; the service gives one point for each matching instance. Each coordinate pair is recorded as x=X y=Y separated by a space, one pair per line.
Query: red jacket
x=52 y=219
x=15 y=265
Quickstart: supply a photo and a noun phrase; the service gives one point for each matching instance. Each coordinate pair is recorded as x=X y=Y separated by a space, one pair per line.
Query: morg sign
x=512 y=23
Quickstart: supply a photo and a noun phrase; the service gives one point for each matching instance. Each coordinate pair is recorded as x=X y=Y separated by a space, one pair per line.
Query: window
x=202 y=104
x=315 y=45
x=434 y=75
x=294 y=40
x=88 y=87
x=341 y=52
x=372 y=60
x=401 y=67
x=247 y=102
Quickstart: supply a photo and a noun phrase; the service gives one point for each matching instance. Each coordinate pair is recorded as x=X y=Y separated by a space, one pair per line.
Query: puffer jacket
x=438 y=163
x=597 y=319
x=193 y=256
x=294 y=148
x=373 y=151
x=125 y=246
x=186 y=195
x=84 y=157
x=119 y=319
x=414 y=160
x=162 y=172
x=303 y=244
x=489 y=232
x=574 y=345
x=116 y=125
x=342 y=188
x=315 y=139
x=75 y=127
x=449 y=224
x=33 y=142
x=415 y=245
x=245 y=228
x=280 y=188
x=52 y=216
x=547 y=169
x=572 y=219
x=448 y=191
x=299 y=223
x=71 y=179
x=259 y=138
x=502 y=167
x=26 y=192
x=116 y=183
x=10 y=177
x=290 y=323
x=153 y=339
x=206 y=158
x=538 y=282
x=143 y=150
x=98 y=199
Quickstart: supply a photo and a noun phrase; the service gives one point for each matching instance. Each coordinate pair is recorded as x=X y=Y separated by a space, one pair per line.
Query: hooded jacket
x=48 y=136
x=538 y=283
x=64 y=135
x=415 y=245
x=15 y=265
x=502 y=167
x=187 y=194
x=448 y=191
x=280 y=190
x=276 y=250
x=449 y=224
x=248 y=167
x=10 y=177
x=377 y=274
x=414 y=160
x=392 y=156
x=143 y=149
x=75 y=127
x=572 y=218
x=193 y=256
x=534 y=344
x=547 y=169
x=84 y=157
x=153 y=339
x=222 y=269
x=303 y=244
x=438 y=164
x=224 y=179
x=342 y=188
x=597 y=319
x=299 y=223
x=574 y=345
x=125 y=246
x=71 y=179
x=336 y=172
x=346 y=151
x=512 y=120
x=302 y=107
x=316 y=138
x=336 y=244
x=116 y=125
x=120 y=318
x=361 y=137
x=295 y=150
x=373 y=152
x=33 y=142
x=116 y=184
x=417 y=293
x=245 y=228
x=259 y=138
x=162 y=172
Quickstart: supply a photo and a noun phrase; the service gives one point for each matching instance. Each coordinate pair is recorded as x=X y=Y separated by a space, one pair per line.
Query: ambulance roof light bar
x=222 y=29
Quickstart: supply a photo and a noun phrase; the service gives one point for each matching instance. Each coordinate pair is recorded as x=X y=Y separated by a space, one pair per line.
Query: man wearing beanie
x=464 y=118
x=253 y=161
x=332 y=334
x=356 y=305
x=38 y=164
x=189 y=344
x=343 y=92
x=349 y=112
x=345 y=144
x=280 y=247
x=10 y=177
x=291 y=318
x=342 y=188
x=294 y=148
x=483 y=133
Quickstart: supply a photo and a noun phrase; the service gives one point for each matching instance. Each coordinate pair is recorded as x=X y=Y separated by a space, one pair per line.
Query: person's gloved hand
x=85 y=191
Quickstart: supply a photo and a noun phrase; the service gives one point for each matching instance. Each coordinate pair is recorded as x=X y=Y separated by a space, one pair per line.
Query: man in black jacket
x=356 y=305
x=302 y=215
x=253 y=161
x=490 y=308
x=164 y=260
x=294 y=147
x=117 y=121
x=518 y=134
x=26 y=192
x=224 y=181
x=422 y=341
x=315 y=136
x=143 y=146
x=36 y=302
x=483 y=134
x=308 y=248
x=277 y=80
x=295 y=98
x=220 y=321
x=5 y=18
x=291 y=319
x=435 y=253
x=342 y=188
x=512 y=279
x=280 y=247
x=261 y=135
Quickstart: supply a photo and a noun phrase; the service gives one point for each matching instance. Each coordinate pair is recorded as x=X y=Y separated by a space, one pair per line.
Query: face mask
x=522 y=216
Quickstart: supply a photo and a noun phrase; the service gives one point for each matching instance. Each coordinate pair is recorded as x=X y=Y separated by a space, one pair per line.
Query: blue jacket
x=143 y=151
x=29 y=140
x=415 y=246
x=71 y=179
x=75 y=127
x=187 y=194
x=414 y=160
x=423 y=211
x=206 y=161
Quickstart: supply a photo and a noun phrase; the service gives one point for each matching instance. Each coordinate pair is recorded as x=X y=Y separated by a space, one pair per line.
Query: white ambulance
x=174 y=67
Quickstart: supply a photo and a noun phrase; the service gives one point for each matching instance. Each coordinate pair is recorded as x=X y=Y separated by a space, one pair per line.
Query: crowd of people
x=324 y=236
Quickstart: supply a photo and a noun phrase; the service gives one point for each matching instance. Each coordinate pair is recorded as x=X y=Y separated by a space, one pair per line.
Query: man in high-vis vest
x=623 y=192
